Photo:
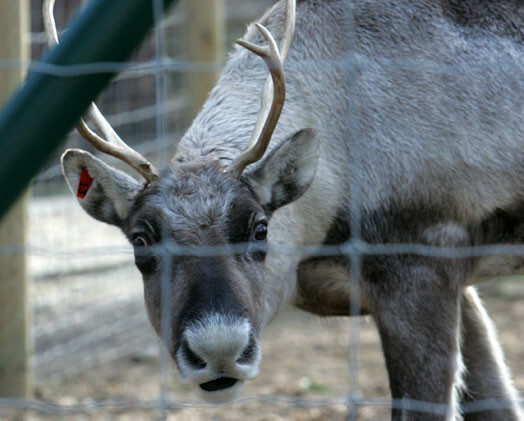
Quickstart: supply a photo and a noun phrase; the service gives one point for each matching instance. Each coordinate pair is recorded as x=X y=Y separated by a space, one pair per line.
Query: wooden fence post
x=15 y=344
x=206 y=39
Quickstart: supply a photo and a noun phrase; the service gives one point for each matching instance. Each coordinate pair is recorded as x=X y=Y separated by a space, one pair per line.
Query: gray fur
x=417 y=109
x=287 y=174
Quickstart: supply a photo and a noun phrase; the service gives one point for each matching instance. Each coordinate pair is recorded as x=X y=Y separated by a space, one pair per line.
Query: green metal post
x=37 y=118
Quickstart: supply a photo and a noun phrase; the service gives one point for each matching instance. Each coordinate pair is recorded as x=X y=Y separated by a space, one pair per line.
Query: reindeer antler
x=268 y=115
x=112 y=144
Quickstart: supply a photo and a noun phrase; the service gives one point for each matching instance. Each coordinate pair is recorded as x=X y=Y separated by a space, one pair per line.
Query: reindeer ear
x=286 y=173
x=104 y=192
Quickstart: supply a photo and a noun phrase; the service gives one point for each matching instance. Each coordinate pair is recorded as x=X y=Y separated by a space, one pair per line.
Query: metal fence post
x=15 y=343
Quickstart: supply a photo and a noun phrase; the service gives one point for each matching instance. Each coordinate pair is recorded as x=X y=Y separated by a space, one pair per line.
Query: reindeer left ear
x=286 y=173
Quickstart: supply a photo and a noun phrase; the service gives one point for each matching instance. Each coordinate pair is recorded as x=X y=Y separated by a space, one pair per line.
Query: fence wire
x=89 y=318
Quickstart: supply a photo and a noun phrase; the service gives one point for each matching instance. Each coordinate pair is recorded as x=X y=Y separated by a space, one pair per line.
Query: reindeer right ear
x=104 y=192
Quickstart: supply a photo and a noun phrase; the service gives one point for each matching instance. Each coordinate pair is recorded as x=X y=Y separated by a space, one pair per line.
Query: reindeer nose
x=219 y=354
x=219 y=343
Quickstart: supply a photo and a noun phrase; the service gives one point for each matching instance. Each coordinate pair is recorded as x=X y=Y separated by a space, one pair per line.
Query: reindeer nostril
x=191 y=357
x=248 y=352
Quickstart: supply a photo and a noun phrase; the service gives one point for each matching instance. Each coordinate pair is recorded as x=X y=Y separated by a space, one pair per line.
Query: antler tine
x=285 y=45
x=49 y=22
x=287 y=38
x=274 y=91
x=114 y=145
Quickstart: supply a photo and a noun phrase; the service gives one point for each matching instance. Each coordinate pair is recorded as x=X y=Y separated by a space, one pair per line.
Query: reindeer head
x=199 y=232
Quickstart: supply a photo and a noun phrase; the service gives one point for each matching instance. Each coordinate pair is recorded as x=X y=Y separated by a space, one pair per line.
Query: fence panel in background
x=96 y=356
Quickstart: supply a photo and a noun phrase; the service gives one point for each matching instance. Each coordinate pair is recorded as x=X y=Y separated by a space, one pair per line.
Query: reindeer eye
x=139 y=241
x=144 y=255
x=261 y=231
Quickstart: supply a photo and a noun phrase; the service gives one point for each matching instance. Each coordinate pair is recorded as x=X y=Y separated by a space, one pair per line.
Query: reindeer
x=400 y=126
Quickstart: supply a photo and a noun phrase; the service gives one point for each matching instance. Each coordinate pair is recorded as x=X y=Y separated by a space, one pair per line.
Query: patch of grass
x=307 y=383
x=318 y=388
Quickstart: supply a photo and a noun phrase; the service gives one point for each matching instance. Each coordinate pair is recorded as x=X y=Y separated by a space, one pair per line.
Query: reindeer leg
x=486 y=376
x=323 y=289
x=415 y=302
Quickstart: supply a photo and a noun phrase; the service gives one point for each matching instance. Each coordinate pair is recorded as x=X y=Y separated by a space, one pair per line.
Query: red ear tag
x=84 y=184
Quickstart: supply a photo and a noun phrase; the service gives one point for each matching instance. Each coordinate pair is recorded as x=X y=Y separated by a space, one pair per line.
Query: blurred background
x=90 y=351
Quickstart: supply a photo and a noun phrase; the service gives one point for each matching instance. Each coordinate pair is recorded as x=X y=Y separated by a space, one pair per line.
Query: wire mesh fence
x=95 y=353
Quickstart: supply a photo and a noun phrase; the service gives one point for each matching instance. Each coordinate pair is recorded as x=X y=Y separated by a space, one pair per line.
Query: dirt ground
x=304 y=357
